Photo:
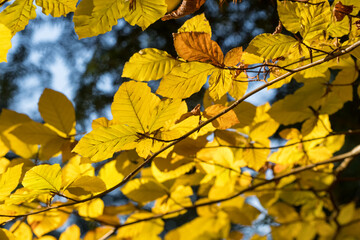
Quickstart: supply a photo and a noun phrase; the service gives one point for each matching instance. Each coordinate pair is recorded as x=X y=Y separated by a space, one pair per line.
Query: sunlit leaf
x=184 y=80
x=92 y=18
x=196 y=24
x=149 y=64
x=71 y=233
x=5 y=41
x=45 y=222
x=225 y=121
x=43 y=178
x=92 y=208
x=272 y=46
x=57 y=110
x=198 y=46
x=9 y=180
x=143 y=190
x=57 y=8
x=144 y=12
x=102 y=143
x=16 y=16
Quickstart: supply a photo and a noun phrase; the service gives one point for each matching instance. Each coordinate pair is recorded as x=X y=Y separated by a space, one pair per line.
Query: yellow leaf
x=6 y=235
x=225 y=121
x=102 y=143
x=315 y=19
x=216 y=227
x=346 y=213
x=197 y=23
x=198 y=46
x=149 y=64
x=100 y=122
x=164 y=111
x=184 y=80
x=143 y=190
x=48 y=221
x=46 y=237
x=75 y=168
x=290 y=15
x=110 y=174
x=21 y=231
x=71 y=233
x=133 y=104
x=57 y=110
x=33 y=133
x=185 y=126
x=166 y=169
x=239 y=85
x=85 y=185
x=94 y=17
x=52 y=148
x=256 y=158
x=233 y=57
x=152 y=228
x=283 y=213
x=16 y=16
x=43 y=178
x=98 y=233
x=9 y=120
x=144 y=12
x=220 y=82
x=245 y=113
x=93 y=208
x=9 y=180
x=5 y=41
x=272 y=46
x=57 y=8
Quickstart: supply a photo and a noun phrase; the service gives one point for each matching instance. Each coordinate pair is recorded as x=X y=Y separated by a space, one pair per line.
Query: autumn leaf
x=144 y=12
x=233 y=57
x=196 y=24
x=57 y=8
x=57 y=110
x=196 y=46
x=5 y=41
x=184 y=80
x=340 y=11
x=16 y=16
x=187 y=7
x=271 y=46
x=43 y=178
x=149 y=64
x=223 y=122
x=94 y=17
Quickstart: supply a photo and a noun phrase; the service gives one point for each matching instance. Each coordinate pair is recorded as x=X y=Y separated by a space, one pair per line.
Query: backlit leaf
x=290 y=15
x=133 y=104
x=71 y=233
x=34 y=133
x=272 y=46
x=43 y=178
x=220 y=82
x=86 y=185
x=57 y=110
x=187 y=7
x=143 y=190
x=57 y=8
x=6 y=234
x=196 y=24
x=233 y=57
x=225 y=121
x=16 y=16
x=144 y=12
x=21 y=231
x=94 y=17
x=184 y=80
x=149 y=64
x=93 y=208
x=198 y=46
x=45 y=222
x=102 y=143
x=9 y=180
x=5 y=41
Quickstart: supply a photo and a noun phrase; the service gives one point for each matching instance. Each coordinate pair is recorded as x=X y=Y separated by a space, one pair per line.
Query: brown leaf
x=340 y=11
x=198 y=46
x=233 y=57
x=187 y=7
x=226 y=121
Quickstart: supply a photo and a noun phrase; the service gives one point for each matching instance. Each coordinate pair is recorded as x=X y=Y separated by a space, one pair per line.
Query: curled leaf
x=187 y=7
x=340 y=11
